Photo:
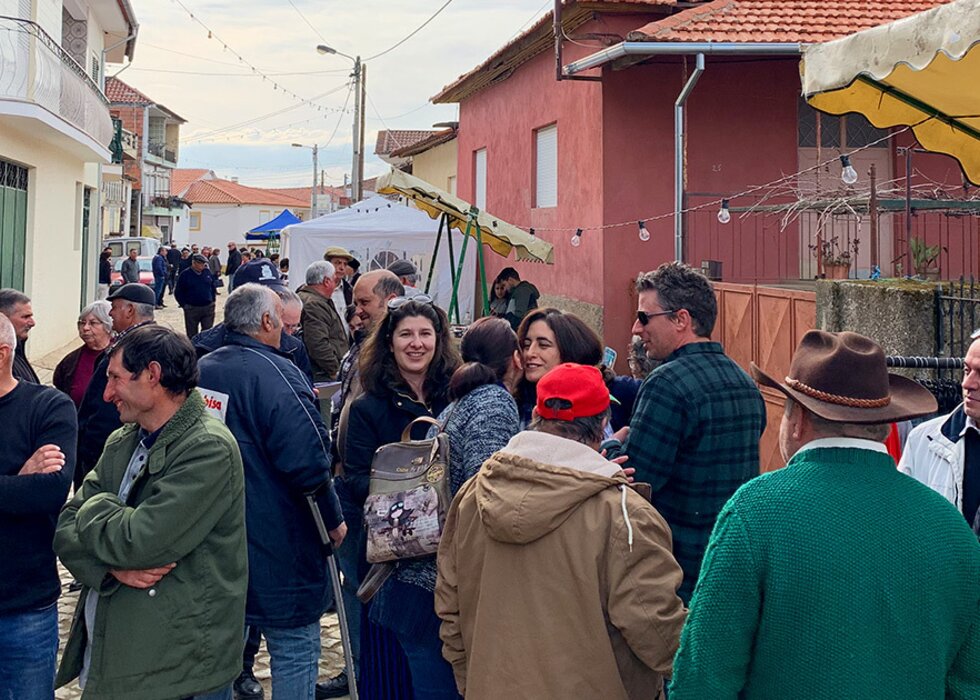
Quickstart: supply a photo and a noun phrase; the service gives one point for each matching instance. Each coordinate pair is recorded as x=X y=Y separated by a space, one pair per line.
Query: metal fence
x=957 y=316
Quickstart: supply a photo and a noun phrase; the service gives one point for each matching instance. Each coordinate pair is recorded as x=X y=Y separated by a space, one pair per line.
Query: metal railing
x=160 y=150
x=35 y=68
x=113 y=194
x=957 y=316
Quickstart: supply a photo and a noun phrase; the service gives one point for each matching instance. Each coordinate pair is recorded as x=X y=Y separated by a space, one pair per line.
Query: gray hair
x=288 y=296
x=413 y=280
x=144 y=312
x=587 y=430
x=389 y=285
x=7 y=335
x=319 y=271
x=99 y=310
x=247 y=305
x=10 y=299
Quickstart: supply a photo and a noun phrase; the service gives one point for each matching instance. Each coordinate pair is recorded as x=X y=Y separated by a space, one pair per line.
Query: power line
x=308 y=23
x=399 y=116
x=241 y=75
x=417 y=30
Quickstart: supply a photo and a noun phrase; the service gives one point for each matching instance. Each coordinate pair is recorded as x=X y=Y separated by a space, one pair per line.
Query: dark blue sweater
x=193 y=289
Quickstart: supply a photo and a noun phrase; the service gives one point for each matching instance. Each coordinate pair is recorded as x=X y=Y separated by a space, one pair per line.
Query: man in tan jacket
x=556 y=579
x=324 y=330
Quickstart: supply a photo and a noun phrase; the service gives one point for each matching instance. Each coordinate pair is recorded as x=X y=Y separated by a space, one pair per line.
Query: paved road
x=332 y=658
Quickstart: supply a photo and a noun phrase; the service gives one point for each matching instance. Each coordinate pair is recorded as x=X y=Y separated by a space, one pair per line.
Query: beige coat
x=556 y=580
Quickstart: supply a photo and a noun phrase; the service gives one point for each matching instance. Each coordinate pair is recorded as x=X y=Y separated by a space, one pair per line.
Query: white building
x=55 y=133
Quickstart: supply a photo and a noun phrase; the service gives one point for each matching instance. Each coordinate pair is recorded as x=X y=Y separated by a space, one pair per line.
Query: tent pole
x=483 y=269
x=470 y=220
x=435 y=254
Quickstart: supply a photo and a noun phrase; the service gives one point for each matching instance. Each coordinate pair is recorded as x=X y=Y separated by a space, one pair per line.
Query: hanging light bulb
x=848 y=174
x=531 y=230
x=577 y=238
x=724 y=216
x=644 y=234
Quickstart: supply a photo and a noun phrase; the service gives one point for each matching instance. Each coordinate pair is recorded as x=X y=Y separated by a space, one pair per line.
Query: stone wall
x=590 y=313
x=899 y=314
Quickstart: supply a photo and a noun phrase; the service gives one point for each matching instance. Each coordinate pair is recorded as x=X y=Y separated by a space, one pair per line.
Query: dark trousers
x=198 y=318
x=159 y=287
x=253 y=638
x=172 y=278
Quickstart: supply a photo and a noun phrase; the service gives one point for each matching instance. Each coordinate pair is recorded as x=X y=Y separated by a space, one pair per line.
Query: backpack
x=409 y=496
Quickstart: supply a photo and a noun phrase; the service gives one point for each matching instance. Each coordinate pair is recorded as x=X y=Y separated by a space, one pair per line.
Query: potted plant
x=924 y=258
x=836 y=259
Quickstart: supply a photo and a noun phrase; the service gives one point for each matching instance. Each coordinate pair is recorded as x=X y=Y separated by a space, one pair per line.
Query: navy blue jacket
x=290 y=346
x=160 y=267
x=285 y=449
x=194 y=289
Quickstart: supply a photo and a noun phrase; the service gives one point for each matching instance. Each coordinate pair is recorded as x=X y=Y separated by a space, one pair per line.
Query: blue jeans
x=432 y=675
x=159 y=287
x=28 y=649
x=294 y=655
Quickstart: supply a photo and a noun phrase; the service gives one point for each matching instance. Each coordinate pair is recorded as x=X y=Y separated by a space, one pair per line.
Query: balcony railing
x=160 y=151
x=35 y=68
x=113 y=194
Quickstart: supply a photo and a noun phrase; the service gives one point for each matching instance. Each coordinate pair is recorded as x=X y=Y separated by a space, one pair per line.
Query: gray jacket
x=130 y=270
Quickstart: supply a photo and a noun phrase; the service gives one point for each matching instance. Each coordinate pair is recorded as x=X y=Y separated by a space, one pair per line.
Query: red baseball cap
x=581 y=385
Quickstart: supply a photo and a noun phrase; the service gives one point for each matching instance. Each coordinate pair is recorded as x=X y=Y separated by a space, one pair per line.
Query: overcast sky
x=178 y=66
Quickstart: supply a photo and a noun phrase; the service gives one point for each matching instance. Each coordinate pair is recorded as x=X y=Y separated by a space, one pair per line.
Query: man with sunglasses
x=694 y=434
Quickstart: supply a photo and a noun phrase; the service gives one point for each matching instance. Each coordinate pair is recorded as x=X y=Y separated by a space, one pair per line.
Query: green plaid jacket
x=694 y=437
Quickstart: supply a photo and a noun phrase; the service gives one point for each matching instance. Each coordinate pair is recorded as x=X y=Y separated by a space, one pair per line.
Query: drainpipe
x=106 y=50
x=679 y=156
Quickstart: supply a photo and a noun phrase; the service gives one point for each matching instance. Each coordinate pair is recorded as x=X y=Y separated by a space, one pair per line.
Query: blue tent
x=271 y=229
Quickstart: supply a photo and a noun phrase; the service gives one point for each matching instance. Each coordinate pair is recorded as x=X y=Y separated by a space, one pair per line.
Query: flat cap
x=136 y=292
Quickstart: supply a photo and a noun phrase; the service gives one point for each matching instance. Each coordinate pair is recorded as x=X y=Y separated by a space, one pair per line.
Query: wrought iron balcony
x=34 y=68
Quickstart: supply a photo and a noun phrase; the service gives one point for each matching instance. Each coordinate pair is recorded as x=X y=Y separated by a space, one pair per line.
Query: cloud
x=233 y=125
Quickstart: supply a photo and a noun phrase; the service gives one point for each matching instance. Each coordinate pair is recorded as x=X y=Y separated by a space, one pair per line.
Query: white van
x=120 y=247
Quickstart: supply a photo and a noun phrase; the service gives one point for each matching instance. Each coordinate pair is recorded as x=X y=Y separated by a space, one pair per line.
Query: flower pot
x=836 y=272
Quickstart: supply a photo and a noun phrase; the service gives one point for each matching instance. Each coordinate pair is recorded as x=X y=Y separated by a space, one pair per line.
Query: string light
x=577 y=238
x=847 y=172
x=644 y=234
x=724 y=216
x=531 y=230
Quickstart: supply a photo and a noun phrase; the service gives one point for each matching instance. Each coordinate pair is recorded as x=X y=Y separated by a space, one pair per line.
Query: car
x=120 y=247
x=146 y=271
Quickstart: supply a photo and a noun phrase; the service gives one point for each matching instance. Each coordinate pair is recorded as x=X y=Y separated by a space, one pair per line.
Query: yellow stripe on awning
x=922 y=71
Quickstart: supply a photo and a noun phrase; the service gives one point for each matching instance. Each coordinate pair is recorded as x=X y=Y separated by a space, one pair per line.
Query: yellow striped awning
x=922 y=71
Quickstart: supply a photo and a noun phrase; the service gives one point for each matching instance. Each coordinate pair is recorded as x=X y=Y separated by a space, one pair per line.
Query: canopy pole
x=483 y=270
x=435 y=254
x=470 y=221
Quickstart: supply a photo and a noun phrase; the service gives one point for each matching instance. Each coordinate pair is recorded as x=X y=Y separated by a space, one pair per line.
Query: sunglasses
x=644 y=318
x=399 y=302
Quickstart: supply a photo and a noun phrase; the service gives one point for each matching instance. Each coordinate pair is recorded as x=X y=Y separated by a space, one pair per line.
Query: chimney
x=234 y=179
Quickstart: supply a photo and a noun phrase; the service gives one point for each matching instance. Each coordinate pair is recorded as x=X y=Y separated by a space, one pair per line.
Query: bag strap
x=407 y=432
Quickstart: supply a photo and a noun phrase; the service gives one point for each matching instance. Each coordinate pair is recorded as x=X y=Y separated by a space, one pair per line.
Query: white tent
x=377 y=232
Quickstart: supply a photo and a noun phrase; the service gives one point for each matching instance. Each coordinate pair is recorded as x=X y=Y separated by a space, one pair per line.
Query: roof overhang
x=922 y=71
x=642 y=49
x=118 y=21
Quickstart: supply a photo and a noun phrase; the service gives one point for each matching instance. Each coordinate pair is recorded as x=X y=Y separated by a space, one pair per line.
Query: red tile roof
x=228 y=192
x=303 y=193
x=538 y=38
x=392 y=139
x=118 y=91
x=436 y=139
x=770 y=21
x=182 y=178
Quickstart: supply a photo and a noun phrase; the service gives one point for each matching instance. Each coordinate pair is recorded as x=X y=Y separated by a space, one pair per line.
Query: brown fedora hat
x=842 y=377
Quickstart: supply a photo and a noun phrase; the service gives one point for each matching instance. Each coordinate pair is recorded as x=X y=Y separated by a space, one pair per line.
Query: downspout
x=679 y=156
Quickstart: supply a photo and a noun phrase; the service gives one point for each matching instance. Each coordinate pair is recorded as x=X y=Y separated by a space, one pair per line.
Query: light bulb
x=577 y=238
x=724 y=216
x=848 y=174
x=644 y=234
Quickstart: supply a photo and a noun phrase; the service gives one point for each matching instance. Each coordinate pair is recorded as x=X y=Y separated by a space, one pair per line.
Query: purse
x=409 y=496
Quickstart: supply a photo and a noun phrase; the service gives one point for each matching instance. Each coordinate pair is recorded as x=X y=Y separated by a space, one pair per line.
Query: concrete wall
x=899 y=315
x=221 y=223
x=437 y=165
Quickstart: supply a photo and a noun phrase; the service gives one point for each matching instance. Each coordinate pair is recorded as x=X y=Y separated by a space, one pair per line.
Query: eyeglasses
x=644 y=318
x=398 y=302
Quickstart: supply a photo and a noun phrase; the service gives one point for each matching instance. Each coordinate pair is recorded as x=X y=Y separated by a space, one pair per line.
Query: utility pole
x=355 y=188
x=313 y=193
x=360 y=148
x=873 y=213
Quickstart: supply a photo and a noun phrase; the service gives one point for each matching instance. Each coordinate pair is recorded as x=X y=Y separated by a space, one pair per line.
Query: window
x=546 y=167
x=451 y=184
x=850 y=131
x=195 y=221
x=480 y=178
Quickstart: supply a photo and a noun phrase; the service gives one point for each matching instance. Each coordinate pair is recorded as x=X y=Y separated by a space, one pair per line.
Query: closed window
x=195 y=221
x=451 y=184
x=480 y=178
x=546 y=167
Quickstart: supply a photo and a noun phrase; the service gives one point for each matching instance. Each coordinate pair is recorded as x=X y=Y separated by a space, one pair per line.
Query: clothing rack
x=945 y=388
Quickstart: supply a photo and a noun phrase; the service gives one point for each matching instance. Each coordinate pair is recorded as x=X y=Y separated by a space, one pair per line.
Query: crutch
x=337 y=594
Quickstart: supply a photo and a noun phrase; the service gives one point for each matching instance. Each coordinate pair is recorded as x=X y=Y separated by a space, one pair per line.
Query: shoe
x=246 y=687
x=336 y=687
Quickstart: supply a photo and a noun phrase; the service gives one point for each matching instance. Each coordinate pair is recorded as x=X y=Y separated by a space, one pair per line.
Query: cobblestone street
x=332 y=658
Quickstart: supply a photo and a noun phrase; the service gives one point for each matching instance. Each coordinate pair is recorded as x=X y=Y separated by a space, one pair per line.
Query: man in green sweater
x=838 y=576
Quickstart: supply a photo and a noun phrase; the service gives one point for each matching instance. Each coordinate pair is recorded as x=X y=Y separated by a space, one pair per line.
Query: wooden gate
x=764 y=325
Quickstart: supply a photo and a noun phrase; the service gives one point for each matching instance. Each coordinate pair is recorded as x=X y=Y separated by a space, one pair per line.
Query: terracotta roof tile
x=392 y=139
x=436 y=139
x=303 y=193
x=228 y=192
x=770 y=21
x=118 y=91
x=182 y=178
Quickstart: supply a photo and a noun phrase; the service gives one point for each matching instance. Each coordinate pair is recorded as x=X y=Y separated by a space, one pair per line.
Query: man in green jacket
x=324 y=331
x=156 y=535
x=837 y=576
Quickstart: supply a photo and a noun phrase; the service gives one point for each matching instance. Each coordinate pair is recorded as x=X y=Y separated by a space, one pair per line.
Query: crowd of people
x=603 y=535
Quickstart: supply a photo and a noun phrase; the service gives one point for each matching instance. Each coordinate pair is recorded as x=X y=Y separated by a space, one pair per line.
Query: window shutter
x=546 y=167
x=480 y=164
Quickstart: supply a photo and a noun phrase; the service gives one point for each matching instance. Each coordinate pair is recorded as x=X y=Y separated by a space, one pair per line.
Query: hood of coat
x=529 y=488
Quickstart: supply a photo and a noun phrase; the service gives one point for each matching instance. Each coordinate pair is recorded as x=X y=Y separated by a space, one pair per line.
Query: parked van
x=120 y=247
